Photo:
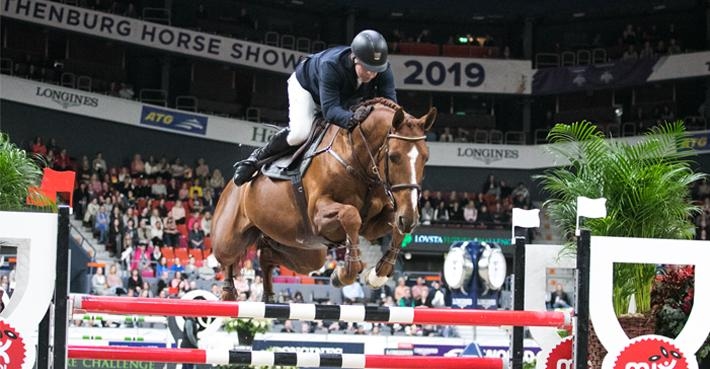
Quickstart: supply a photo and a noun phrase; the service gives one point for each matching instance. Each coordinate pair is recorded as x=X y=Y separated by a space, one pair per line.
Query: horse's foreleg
x=380 y=225
x=228 y=290
x=347 y=219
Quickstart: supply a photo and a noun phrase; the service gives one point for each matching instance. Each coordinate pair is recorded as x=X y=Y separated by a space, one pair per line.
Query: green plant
x=19 y=176
x=646 y=184
x=247 y=326
x=673 y=301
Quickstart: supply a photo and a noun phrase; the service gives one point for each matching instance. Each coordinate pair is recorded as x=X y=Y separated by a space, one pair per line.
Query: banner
x=412 y=72
x=430 y=239
x=589 y=77
x=175 y=120
x=681 y=66
x=435 y=73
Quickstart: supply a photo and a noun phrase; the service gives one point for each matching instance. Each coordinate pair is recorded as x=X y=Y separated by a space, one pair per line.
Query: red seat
x=181 y=254
x=196 y=253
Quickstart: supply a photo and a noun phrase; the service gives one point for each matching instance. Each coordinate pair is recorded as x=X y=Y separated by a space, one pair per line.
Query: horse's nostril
x=401 y=222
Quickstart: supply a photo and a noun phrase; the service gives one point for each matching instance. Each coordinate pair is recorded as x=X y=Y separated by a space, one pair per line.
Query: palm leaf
x=646 y=184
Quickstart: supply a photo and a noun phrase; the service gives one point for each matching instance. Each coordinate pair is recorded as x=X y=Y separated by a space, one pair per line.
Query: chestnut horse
x=365 y=182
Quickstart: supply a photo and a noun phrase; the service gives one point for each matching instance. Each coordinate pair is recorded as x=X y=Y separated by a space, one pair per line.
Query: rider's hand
x=359 y=116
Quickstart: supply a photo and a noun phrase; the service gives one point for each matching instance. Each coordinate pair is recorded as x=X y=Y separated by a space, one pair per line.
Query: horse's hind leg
x=268 y=262
x=229 y=293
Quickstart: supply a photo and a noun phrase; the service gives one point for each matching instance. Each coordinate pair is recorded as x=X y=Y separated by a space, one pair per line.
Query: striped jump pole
x=267 y=358
x=347 y=313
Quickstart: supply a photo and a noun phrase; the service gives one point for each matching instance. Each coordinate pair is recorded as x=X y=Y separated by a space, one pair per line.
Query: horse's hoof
x=374 y=281
x=335 y=280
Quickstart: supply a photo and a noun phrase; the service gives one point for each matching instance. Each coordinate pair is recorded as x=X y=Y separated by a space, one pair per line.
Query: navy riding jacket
x=331 y=79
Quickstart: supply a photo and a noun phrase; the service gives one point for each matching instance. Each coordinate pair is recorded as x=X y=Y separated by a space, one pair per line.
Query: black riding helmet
x=370 y=49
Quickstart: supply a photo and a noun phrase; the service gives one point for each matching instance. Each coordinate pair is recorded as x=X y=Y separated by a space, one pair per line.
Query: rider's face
x=363 y=74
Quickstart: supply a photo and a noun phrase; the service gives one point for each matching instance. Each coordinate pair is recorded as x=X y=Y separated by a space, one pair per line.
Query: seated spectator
x=202 y=170
x=135 y=282
x=427 y=214
x=177 y=266
x=456 y=213
x=196 y=237
x=195 y=189
x=162 y=266
x=184 y=192
x=559 y=298
x=177 y=169
x=114 y=281
x=257 y=290
x=436 y=295
x=484 y=217
x=206 y=223
x=630 y=53
x=418 y=289
x=171 y=236
x=441 y=213
x=156 y=233
x=470 y=212
x=99 y=286
x=217 y=180
x=178 y=213
x=399 y=291
x=247 y=271
x=446 y=136
x=191 y=269
x=406 y=300
x=241 y=285
x=151 y=167
x=288 y=326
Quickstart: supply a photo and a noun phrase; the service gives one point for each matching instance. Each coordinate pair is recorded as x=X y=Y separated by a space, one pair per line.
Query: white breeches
x=301 y=112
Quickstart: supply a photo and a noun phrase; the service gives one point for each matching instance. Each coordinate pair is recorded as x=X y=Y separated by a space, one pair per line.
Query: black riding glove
x=358 y=116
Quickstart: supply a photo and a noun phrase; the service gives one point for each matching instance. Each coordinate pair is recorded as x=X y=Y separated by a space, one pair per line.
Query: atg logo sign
x=178 y=121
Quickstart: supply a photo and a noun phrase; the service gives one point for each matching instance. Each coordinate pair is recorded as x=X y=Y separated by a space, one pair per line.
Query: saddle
x=295 y=164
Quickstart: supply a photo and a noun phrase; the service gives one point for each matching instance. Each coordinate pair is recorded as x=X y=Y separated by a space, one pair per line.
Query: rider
x=332 y=80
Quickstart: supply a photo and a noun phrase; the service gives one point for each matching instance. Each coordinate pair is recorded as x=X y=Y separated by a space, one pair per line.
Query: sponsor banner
x=313 y=347
x=175 y=120
x=130 y=112
x=412 y=72
x=438 y=239
x=122 y=364
x=159 y=36
x=698 y=141
x=434 y=73
x=490 y=156
x=681 y=66
x=529 y=353
x=588 y=77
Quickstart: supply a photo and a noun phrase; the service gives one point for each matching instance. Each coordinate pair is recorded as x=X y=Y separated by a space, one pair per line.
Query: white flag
x=591 y=208
x=526 y=218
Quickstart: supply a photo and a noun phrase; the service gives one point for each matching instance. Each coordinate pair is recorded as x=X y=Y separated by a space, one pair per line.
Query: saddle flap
x=296 y=163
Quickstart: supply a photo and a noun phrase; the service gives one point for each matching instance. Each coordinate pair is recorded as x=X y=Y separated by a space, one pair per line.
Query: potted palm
x=19 y=177
x=647 y=187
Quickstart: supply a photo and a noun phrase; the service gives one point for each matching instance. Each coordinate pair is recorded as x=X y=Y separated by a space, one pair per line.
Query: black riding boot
x=246 y=168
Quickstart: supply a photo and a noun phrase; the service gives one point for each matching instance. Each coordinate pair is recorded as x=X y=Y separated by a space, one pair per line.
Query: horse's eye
x=395 y=158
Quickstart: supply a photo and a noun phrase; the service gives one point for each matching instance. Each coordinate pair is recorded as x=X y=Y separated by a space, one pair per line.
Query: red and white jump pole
x=267 y=358
x=348 y=313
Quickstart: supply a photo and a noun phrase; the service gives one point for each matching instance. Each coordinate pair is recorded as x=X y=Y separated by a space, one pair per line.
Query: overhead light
x=397 y=14
x=479 y=17
x=297 y=2
x=579 y=15
x=659 y=7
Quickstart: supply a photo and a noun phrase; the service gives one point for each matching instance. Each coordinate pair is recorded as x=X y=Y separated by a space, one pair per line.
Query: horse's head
x=406 y=154
x=400 y=157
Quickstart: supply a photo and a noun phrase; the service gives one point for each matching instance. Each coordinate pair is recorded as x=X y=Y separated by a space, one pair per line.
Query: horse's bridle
x=384 y=149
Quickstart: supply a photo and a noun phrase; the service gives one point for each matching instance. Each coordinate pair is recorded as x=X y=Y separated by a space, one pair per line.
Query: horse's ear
x=430 y=118
x=398 y=118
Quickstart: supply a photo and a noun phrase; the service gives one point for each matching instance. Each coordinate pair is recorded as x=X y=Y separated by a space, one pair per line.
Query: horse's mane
x=379 y=100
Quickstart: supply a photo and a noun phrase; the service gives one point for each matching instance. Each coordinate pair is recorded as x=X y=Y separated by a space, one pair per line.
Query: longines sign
x=431 y=239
